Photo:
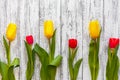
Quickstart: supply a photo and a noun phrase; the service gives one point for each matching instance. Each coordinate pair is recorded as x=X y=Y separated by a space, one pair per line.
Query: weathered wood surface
x=71 y=18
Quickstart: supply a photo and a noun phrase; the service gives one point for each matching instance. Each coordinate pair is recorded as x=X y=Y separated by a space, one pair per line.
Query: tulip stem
x=8 y=54
x=94 y=67
x=50 y=55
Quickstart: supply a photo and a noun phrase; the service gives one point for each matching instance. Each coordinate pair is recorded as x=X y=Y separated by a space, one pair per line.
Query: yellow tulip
x=94 y=29
x=48 y=28
x=11 y=31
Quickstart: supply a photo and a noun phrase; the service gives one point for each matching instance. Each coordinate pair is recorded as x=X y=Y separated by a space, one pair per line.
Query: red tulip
x=72 y=43
x=113 y=42
x=29 y=39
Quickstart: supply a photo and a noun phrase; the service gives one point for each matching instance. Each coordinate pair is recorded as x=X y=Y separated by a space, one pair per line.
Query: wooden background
x=71 y=18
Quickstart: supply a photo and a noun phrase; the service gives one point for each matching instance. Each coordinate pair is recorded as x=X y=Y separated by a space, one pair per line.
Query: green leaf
x=116 y=69
x=53 y=66
x=112 y=67
x=33 y=56
x=44 y=59
x=3 y=70
x=42 y=54
x=70 y=63
x=98 y=42
x=116 y=50
x=11 y=74
x=52 y=72
x=7 y=49
x=93 y=59
x=15 y=63
x=76 y=68
x=52 y=46
x=6 y=45
x=44 y=74
x=56 y=62
x=30 y=63
x=75 y=51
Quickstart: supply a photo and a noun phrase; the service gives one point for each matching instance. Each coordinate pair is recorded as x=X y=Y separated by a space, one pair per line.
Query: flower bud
x=48 y=28
x=94 y=29
x=11 y=31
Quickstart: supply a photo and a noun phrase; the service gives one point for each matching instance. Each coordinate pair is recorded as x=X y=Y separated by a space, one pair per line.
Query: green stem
x=94 y=72
x=72 y=52
x=8 y=55
x=50 y=56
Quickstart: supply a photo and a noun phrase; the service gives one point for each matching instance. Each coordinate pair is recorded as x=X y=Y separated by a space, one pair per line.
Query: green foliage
x=73 y=69
x=49 y=63
x=30 y=63
x=7 y=70
x=112 y=67
x=93 y=58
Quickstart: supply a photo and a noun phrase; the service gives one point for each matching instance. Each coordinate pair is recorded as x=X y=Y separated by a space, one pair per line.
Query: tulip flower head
x=113 y=42
x=11 y=31
x=29 y=39
x=48 y=28
x=94 y=29
x=72 y=43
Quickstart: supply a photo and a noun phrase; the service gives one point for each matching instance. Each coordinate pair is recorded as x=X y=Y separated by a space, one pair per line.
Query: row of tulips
x=50 y=62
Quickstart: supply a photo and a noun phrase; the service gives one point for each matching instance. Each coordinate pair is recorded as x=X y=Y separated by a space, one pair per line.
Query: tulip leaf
x=93 y=59
x=6 y=45
x=15 y=63
x=76 y=68
x=56 y=62
x=11 y=73
x=52 y=46
x=33 y=56
x=3 y=70
x=43 y=55
x=30 y=63
x=44 y=59
x=98 y=42
x=70 y=63
x=75 y=51
x=7 y=49
x=116 y=50
x=52 y=72
x=44 y=72
x=112 y=67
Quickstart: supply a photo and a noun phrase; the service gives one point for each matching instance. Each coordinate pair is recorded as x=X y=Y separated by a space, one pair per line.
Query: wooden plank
x=34 y=26
x=10 y=14
x=71 y=25
x=50 y=10
x=92 y=9
x=23 y=32
x=111 y=22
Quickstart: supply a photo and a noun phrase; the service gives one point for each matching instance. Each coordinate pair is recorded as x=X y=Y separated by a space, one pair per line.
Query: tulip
x=11 y=31
x=113 y=42
x=93 y=57
x=48 y=28
x=29 y=39
x=72 y=43
x=112 y=67
x=73 y=66
x=94 y=29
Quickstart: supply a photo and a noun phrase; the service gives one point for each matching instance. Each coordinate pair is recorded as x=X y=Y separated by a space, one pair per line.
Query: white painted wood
x=111 y=21
x=71 y=19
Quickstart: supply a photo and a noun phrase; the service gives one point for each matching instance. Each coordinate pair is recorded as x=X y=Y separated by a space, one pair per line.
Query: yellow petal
x=94 y=29
x=48 y=28
x=11 y=31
